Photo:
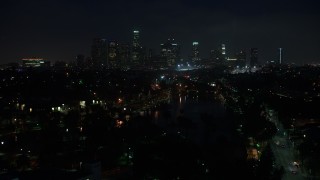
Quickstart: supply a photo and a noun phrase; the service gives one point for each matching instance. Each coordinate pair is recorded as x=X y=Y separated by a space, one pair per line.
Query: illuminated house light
x=22 y=107
x=82 y=104
x=119 y=123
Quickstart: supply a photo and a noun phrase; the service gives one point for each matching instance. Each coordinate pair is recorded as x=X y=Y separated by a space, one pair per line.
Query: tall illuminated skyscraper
x=136 y=39
x=136 y=51
x=195 y=52
x=280 y=55
x=223 y=50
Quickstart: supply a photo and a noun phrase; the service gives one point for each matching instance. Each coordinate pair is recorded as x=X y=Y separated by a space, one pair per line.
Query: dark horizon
x=59 y=30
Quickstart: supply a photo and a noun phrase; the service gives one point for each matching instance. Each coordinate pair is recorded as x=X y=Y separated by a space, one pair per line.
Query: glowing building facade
x=35 y=62
x=195 y=52
x=136 y=51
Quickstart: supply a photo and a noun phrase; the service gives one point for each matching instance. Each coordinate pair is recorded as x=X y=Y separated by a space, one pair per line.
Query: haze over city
x=59 y=30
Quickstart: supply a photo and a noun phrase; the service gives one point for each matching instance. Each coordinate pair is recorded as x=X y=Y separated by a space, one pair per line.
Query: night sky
x=61 y=29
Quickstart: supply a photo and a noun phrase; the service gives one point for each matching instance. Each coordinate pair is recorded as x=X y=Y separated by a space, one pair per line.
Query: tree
x=266 y=163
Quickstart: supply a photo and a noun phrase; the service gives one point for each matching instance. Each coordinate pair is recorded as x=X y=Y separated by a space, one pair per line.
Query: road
x=283 y=150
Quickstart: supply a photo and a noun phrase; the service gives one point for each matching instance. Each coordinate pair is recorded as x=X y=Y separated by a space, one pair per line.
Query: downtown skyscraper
x=170 y=52
x=195 y=52
x=99 y=52
x=136 y=50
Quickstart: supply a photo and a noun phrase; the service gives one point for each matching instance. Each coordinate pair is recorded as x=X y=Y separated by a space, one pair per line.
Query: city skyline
x=57 y=30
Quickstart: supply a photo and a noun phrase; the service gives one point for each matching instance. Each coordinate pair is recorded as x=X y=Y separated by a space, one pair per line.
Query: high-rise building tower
x=136 y=39
x=99 y=52
x=113 y=54
x=241 y=58
x=253 y=57
x=170 y=52
x=124 y=55
x=136 y=57
x=223 y=50
x=280 y=55
x=195 y=52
